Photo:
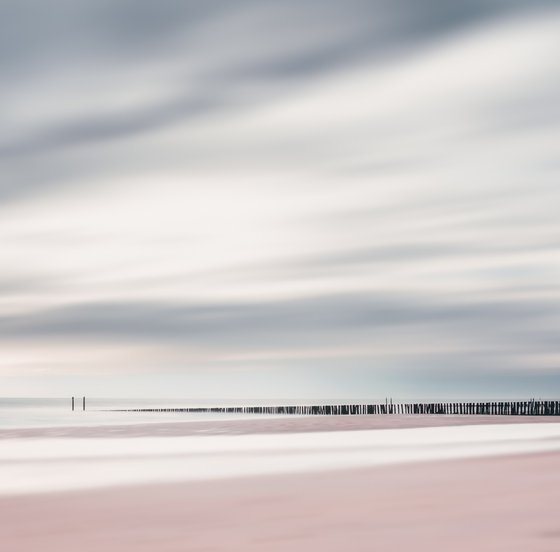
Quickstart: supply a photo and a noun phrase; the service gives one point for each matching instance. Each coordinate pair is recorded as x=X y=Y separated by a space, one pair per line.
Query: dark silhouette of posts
x=83 y=404
x=503 y=408
x=72 y=404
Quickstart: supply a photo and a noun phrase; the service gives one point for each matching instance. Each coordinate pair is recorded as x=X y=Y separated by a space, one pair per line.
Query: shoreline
x=488 y=504
x=273 y=425
x=54 y=463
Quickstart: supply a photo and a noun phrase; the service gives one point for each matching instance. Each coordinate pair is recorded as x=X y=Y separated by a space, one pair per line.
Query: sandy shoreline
x=260 y=425
x=489 y=504
x=99 y=457
x=458 y=483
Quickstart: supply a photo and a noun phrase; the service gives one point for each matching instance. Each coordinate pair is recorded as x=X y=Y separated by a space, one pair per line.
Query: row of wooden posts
x=500 y=408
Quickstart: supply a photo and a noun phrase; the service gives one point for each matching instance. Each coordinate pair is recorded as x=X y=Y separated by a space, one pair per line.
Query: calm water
x=48 y=412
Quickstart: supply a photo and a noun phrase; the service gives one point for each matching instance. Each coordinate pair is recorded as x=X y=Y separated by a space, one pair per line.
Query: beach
x=279 y=276
x=266 y=486
x=490 y=504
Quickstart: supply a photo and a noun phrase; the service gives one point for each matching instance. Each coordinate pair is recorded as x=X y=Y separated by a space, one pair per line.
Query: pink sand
x=491 y=504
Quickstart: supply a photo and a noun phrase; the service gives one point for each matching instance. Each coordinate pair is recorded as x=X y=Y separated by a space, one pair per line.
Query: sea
x=57 y=412
x=40 y=412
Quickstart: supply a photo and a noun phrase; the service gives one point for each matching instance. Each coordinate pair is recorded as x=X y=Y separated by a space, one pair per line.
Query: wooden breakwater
x=495 y=408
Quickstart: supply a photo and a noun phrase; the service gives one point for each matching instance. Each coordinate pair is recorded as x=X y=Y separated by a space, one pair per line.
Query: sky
x=297 y=199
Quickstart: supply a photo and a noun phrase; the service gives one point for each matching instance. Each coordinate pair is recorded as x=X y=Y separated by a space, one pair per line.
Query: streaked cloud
x=316 y=188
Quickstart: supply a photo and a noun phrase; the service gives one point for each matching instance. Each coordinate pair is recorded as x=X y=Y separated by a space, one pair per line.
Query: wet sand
x=488 y=504
x=491 y=503
x=269 y=425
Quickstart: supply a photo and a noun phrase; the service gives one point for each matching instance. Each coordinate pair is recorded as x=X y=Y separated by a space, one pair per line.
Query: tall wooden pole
x=84 y=403
x=72 y=404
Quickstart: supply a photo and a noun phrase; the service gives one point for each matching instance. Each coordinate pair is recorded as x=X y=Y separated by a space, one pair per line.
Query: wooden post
x=72 y=404
x=84 y=403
